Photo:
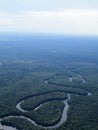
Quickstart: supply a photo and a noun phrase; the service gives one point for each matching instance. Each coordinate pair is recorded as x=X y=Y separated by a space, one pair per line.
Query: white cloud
x=73 y=21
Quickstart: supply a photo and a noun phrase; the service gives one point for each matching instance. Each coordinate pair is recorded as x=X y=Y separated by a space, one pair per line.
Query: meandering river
x=64 y=113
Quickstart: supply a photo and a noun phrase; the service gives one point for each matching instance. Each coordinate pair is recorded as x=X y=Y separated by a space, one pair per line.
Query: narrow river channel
x=64 y=113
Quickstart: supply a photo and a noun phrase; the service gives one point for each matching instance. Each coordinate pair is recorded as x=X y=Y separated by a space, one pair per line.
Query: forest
x=36 y=76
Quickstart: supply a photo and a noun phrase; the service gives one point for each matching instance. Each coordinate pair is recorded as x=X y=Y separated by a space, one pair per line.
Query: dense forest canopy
x=42 y=74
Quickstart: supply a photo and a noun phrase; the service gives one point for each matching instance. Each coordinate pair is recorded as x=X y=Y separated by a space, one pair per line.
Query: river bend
x=64 y=113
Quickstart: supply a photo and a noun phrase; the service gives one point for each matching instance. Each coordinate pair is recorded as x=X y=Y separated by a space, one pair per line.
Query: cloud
x=69 y=21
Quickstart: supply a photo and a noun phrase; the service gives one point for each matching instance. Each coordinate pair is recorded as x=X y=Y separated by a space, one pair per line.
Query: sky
x=68 y=17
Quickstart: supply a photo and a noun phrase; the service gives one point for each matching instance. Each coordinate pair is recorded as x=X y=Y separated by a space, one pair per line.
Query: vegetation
x=24 y=68
x=25 y=125
x=33 y=102
x=48 y=114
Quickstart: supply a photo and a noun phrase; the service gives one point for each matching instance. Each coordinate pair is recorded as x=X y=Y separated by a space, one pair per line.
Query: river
x=64 y=113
